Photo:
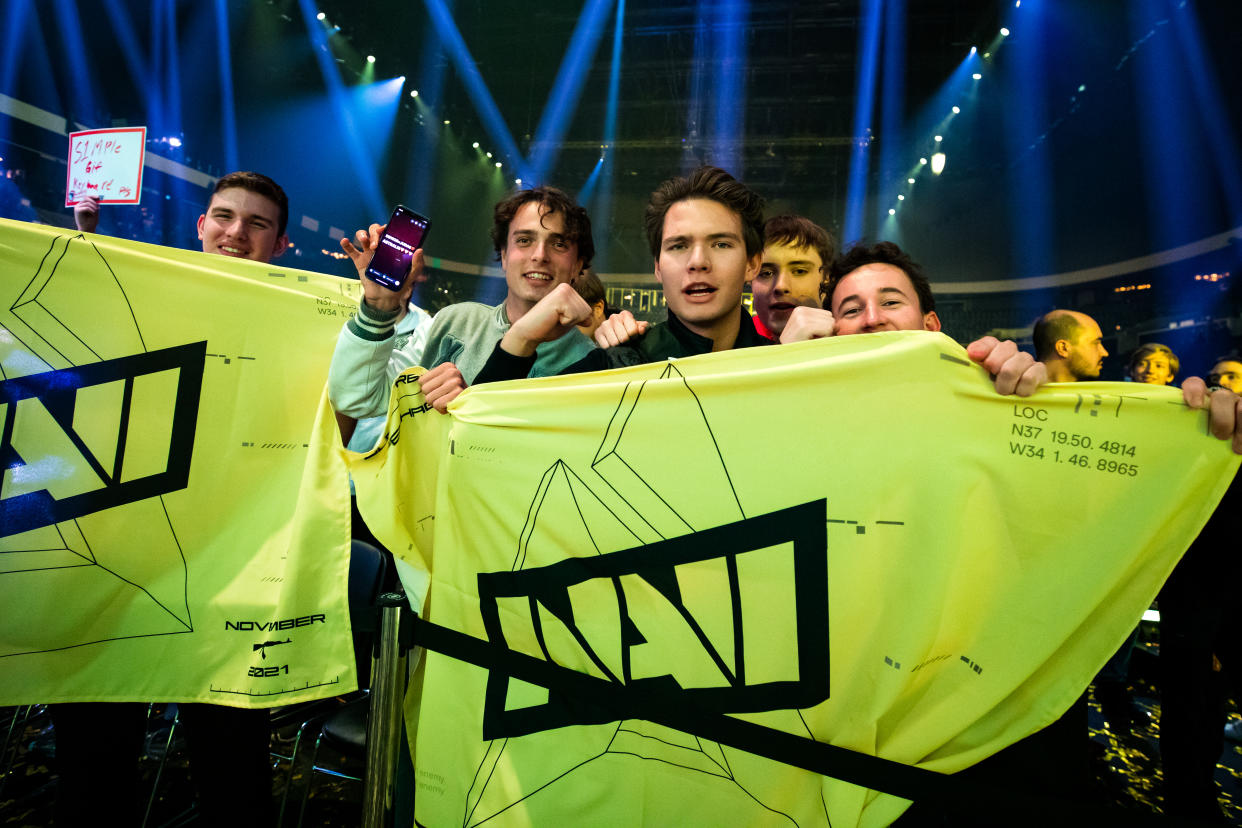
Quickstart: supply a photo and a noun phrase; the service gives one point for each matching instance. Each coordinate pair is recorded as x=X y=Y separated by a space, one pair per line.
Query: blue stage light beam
x=1168 y=123
x=892 y=104
x=1220 y=134
x=1030 y=187
x=468 y=71
x=601 y=211
x=567 y=88
x=228 y=107
x=139 y=71
x=728 y=104
x=82 y=94
x=374 y=109
x=864 y=104
x=364 y=167
x=588 y=189
x=14 y=39
x=172 y=87
x=695 y=130
x=421 y=174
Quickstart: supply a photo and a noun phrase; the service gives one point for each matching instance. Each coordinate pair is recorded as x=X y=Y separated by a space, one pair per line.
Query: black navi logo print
x=88 y=438
x=720 y=668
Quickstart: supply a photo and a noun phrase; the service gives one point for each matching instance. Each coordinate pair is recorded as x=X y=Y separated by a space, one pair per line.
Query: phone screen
x=405 y=232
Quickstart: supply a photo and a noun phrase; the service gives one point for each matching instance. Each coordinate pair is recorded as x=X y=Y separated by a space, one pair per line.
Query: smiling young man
x=1154 y=364
x=705 y=232
x=98 y=744
x=878 y=287
x=542 y=239
x=246 y=218
x=794 y=271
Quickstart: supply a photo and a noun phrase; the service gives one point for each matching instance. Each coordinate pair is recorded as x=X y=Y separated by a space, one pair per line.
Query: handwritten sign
x=107 y=164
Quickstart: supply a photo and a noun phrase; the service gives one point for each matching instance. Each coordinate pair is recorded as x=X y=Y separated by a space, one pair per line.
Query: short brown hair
x=799 y=231
x=710 y=183
x=260 y=184
x=577 y=222
x=589 y=287
x=1053 y=327
x=883 y=252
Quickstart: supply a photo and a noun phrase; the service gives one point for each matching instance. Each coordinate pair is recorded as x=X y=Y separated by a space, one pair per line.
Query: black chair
x=369 y=726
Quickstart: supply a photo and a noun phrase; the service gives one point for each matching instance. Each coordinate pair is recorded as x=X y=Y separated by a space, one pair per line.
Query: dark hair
x=589 y=287
x=577 y=222
x=798 y=231
x=256 y=183
x=883 y=252
x=1213 y=379
x=1051 y=328
x=1151 y=348
x=714 y=184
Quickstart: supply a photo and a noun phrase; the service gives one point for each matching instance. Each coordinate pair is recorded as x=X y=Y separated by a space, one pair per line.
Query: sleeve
x=502 y=365
x=365 y=362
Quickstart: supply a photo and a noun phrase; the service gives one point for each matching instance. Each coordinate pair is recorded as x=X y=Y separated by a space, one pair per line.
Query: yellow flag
x=851 y=542
x=157 y=409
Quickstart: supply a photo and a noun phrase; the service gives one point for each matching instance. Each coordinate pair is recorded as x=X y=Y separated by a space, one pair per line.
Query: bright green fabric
x=202 y=589
x=985 y=555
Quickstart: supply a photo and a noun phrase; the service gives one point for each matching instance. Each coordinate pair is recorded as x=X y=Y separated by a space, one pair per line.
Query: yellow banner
x=157 y=409
x=852 y=541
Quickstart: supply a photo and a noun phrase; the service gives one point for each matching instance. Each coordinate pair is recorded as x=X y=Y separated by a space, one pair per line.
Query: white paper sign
x=107 y=164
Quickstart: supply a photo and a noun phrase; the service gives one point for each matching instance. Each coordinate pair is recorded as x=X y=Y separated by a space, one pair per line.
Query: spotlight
x=413 y=93
x=320 y=16
x=891 y=211
x=489 y=155
x=901 y=197
x=475 y=145
x=938 y=161
x=401 y=78
x=447 y=122
x=909 y=180
x=956 y=110
x=1004 y=32
x=939 y=138
x=370 y=58
x=1082 y=87
x=973 y=49
x=923 y=161
x=977 y=76
x=517 y=181
x=497 y=165
x=174 y=141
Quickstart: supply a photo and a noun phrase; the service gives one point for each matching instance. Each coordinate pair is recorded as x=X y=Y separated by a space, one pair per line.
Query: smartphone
x=390 y=266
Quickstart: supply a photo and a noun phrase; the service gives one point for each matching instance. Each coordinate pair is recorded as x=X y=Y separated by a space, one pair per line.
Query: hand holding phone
x=390 y=266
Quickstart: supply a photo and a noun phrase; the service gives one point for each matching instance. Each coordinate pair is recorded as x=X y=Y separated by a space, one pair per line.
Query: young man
x=705 y=232
x=542 y=239
x=1227 y=373
x=880 y=288
x=1070 y=344
x=794 y=272
x=1153 y=364
x=591 y=289
x=98 y=744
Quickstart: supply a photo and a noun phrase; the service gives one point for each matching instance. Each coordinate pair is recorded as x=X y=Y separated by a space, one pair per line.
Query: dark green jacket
x=669 y=339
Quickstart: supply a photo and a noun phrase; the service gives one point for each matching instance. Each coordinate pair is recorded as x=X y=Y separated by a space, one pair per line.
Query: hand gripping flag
x=763 y=587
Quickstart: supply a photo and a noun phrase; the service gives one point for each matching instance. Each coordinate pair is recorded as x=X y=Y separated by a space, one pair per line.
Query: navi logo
x=722 y=650
x=84 y=439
